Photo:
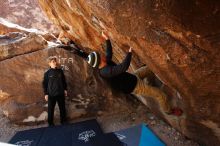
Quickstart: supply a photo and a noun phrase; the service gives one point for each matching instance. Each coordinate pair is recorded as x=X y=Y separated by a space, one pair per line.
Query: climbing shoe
x=176 y=112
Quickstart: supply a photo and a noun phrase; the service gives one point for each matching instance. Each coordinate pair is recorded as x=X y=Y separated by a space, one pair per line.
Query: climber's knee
x=144 y=72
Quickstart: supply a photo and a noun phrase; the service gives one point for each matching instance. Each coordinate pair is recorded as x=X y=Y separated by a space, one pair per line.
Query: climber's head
x=94 y=59
x=52 y=61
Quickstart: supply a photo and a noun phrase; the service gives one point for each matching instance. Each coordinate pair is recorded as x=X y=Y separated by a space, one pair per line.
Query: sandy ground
x=114 y=122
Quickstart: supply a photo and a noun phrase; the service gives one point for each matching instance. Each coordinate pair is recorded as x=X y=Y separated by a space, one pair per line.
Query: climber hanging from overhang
x=121 y=80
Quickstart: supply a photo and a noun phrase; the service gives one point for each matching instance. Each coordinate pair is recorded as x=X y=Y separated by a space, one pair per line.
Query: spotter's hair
x=51 y=58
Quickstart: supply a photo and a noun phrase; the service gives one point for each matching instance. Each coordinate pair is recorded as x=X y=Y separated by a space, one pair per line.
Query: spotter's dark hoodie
x=54 y=82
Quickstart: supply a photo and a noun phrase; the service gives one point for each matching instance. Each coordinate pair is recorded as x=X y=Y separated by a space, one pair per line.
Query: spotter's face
x=53 y=64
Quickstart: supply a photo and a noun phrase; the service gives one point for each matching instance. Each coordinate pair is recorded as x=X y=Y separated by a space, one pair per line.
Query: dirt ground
x=114 y=122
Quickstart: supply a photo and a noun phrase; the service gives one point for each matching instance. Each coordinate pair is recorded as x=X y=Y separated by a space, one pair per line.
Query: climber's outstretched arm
x=108 y=48
x=75 y=50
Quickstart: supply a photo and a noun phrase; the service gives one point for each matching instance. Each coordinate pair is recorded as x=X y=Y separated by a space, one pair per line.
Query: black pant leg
x=61 y=104
x=51 y=106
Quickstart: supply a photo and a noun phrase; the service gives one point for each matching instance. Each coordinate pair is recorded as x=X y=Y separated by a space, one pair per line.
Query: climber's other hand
x=104 y=35
x=130 y=49
x=46 y=97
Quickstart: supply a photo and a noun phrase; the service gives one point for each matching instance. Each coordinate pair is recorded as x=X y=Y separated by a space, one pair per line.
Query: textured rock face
x=178 y=39
x=21 y=72
x=7 y=27
x=15 y=44
x=25 y=13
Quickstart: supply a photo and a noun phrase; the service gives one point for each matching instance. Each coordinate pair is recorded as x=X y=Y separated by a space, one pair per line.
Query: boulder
x=178 y=40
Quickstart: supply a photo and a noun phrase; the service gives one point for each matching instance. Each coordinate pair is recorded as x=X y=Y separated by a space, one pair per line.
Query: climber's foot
x=175 y=112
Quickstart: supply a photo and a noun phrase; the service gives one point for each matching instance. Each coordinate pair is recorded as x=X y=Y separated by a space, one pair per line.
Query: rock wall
x=178 y=39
